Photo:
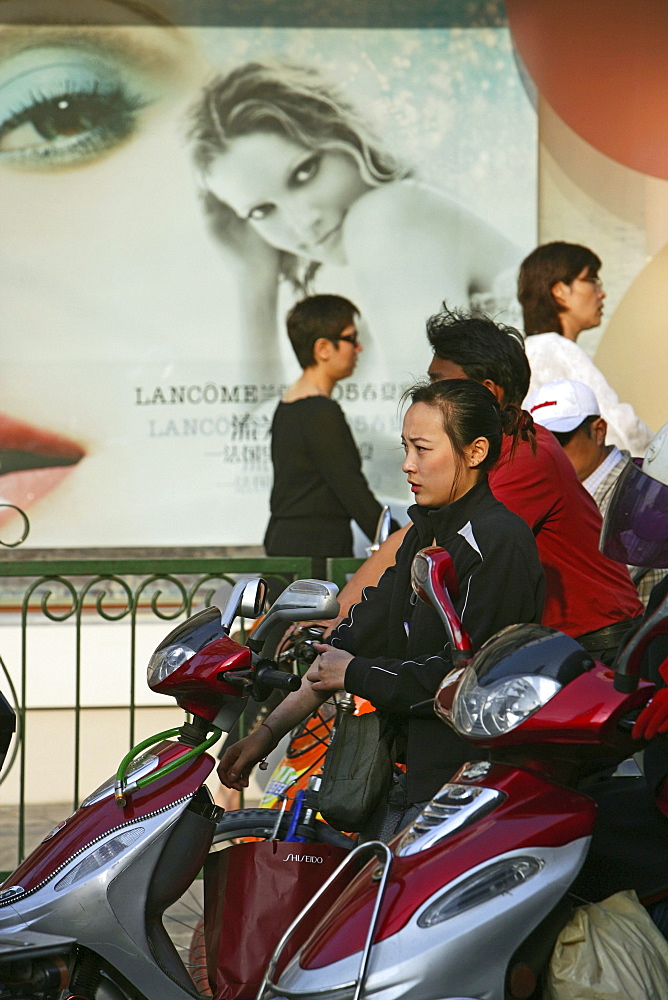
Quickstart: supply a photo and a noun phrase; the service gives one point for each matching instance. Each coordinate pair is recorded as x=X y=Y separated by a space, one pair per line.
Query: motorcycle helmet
x=635 y=527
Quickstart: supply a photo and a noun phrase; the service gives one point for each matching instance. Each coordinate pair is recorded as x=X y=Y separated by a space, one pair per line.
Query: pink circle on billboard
x=602 y=70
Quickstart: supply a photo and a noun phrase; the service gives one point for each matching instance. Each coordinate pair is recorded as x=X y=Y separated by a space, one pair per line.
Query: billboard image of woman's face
x=167 y=193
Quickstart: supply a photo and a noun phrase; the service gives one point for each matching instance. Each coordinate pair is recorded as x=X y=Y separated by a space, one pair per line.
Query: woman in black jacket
x=393 y=649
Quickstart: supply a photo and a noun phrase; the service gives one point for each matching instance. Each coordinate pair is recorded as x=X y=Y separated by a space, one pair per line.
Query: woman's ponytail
x=518 y=424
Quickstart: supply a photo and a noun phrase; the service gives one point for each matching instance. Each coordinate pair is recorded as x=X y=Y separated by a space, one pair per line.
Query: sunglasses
x=350 y=338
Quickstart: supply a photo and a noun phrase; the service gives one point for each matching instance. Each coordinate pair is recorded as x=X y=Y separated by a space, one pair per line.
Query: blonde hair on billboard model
x=298 y=104
x=295 y=102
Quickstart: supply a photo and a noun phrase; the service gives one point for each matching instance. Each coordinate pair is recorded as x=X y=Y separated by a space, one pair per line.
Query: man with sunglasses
x=319 y=486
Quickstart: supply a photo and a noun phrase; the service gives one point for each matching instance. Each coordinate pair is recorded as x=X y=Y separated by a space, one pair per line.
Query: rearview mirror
x=382 y=532
x=434 y=580
x=246 y=599
x=253 y=598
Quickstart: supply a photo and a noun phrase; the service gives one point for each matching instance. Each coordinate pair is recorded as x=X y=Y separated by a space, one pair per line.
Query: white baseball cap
x=562 y=405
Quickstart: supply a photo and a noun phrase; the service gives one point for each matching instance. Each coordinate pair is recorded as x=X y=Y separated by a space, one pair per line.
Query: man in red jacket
x=589 y=596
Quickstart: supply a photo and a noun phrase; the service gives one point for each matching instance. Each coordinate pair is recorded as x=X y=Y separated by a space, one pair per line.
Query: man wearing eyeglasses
x=319 y=486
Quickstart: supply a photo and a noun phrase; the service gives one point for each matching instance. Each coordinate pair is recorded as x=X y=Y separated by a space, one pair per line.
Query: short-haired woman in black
x=319 y=486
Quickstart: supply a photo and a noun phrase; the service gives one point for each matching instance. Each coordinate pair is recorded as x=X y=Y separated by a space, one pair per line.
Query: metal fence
x=75 y=594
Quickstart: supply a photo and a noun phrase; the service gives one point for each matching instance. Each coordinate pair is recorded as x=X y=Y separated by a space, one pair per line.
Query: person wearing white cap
x=561 y=295
x=571 y=411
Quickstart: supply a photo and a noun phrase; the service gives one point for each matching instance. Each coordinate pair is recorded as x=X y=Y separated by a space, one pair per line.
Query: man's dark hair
x=318 y=316
x=483 y=350
x=540 y=272
x=563 y=437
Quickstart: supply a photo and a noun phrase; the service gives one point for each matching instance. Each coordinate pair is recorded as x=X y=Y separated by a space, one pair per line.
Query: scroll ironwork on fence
x=41 y=599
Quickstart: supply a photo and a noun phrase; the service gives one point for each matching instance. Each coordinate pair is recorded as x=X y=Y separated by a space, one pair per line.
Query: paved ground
x=39 y=820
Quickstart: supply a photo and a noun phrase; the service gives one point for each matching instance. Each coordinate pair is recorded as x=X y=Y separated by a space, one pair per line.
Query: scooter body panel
x=92 y=877
x=529 y=811
x=92 y=823
x=524 y=820
x=86 y=909
x=444 y=960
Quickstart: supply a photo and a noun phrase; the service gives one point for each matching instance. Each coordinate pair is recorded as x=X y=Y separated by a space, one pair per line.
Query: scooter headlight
x=479 y=712
x=165 y=661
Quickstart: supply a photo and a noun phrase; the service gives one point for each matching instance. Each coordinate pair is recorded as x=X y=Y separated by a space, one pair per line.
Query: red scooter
x=106 y=874
x=484 y=871
x=468 y=900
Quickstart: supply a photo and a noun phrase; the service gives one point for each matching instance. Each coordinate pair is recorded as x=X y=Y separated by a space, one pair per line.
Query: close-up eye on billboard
x=171 y=185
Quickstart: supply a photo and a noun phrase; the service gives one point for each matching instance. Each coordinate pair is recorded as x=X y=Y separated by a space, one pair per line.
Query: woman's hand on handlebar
x=239 y=760
x=328 y=670
x=654 y=717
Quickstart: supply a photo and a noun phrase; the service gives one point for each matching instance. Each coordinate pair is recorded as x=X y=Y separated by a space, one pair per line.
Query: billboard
x=143 y=299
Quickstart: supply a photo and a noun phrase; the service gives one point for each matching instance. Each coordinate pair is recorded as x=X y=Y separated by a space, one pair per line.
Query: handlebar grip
x=278 y=679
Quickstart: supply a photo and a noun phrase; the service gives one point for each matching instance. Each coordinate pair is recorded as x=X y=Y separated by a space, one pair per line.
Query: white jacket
x=552 y=356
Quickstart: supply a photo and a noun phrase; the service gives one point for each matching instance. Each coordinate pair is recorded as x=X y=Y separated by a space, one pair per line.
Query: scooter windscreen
x=183 y=642
x=528 y=648
x=511 y=677
x=635 y=527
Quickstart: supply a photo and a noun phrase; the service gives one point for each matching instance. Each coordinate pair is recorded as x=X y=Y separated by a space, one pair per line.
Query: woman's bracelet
x=267 y=726
x=264 y=764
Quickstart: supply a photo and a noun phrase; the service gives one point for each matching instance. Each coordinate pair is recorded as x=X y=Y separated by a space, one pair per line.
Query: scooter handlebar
x=277 y=678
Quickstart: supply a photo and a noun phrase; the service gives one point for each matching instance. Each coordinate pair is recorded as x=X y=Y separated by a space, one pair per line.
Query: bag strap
x=389 y=730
